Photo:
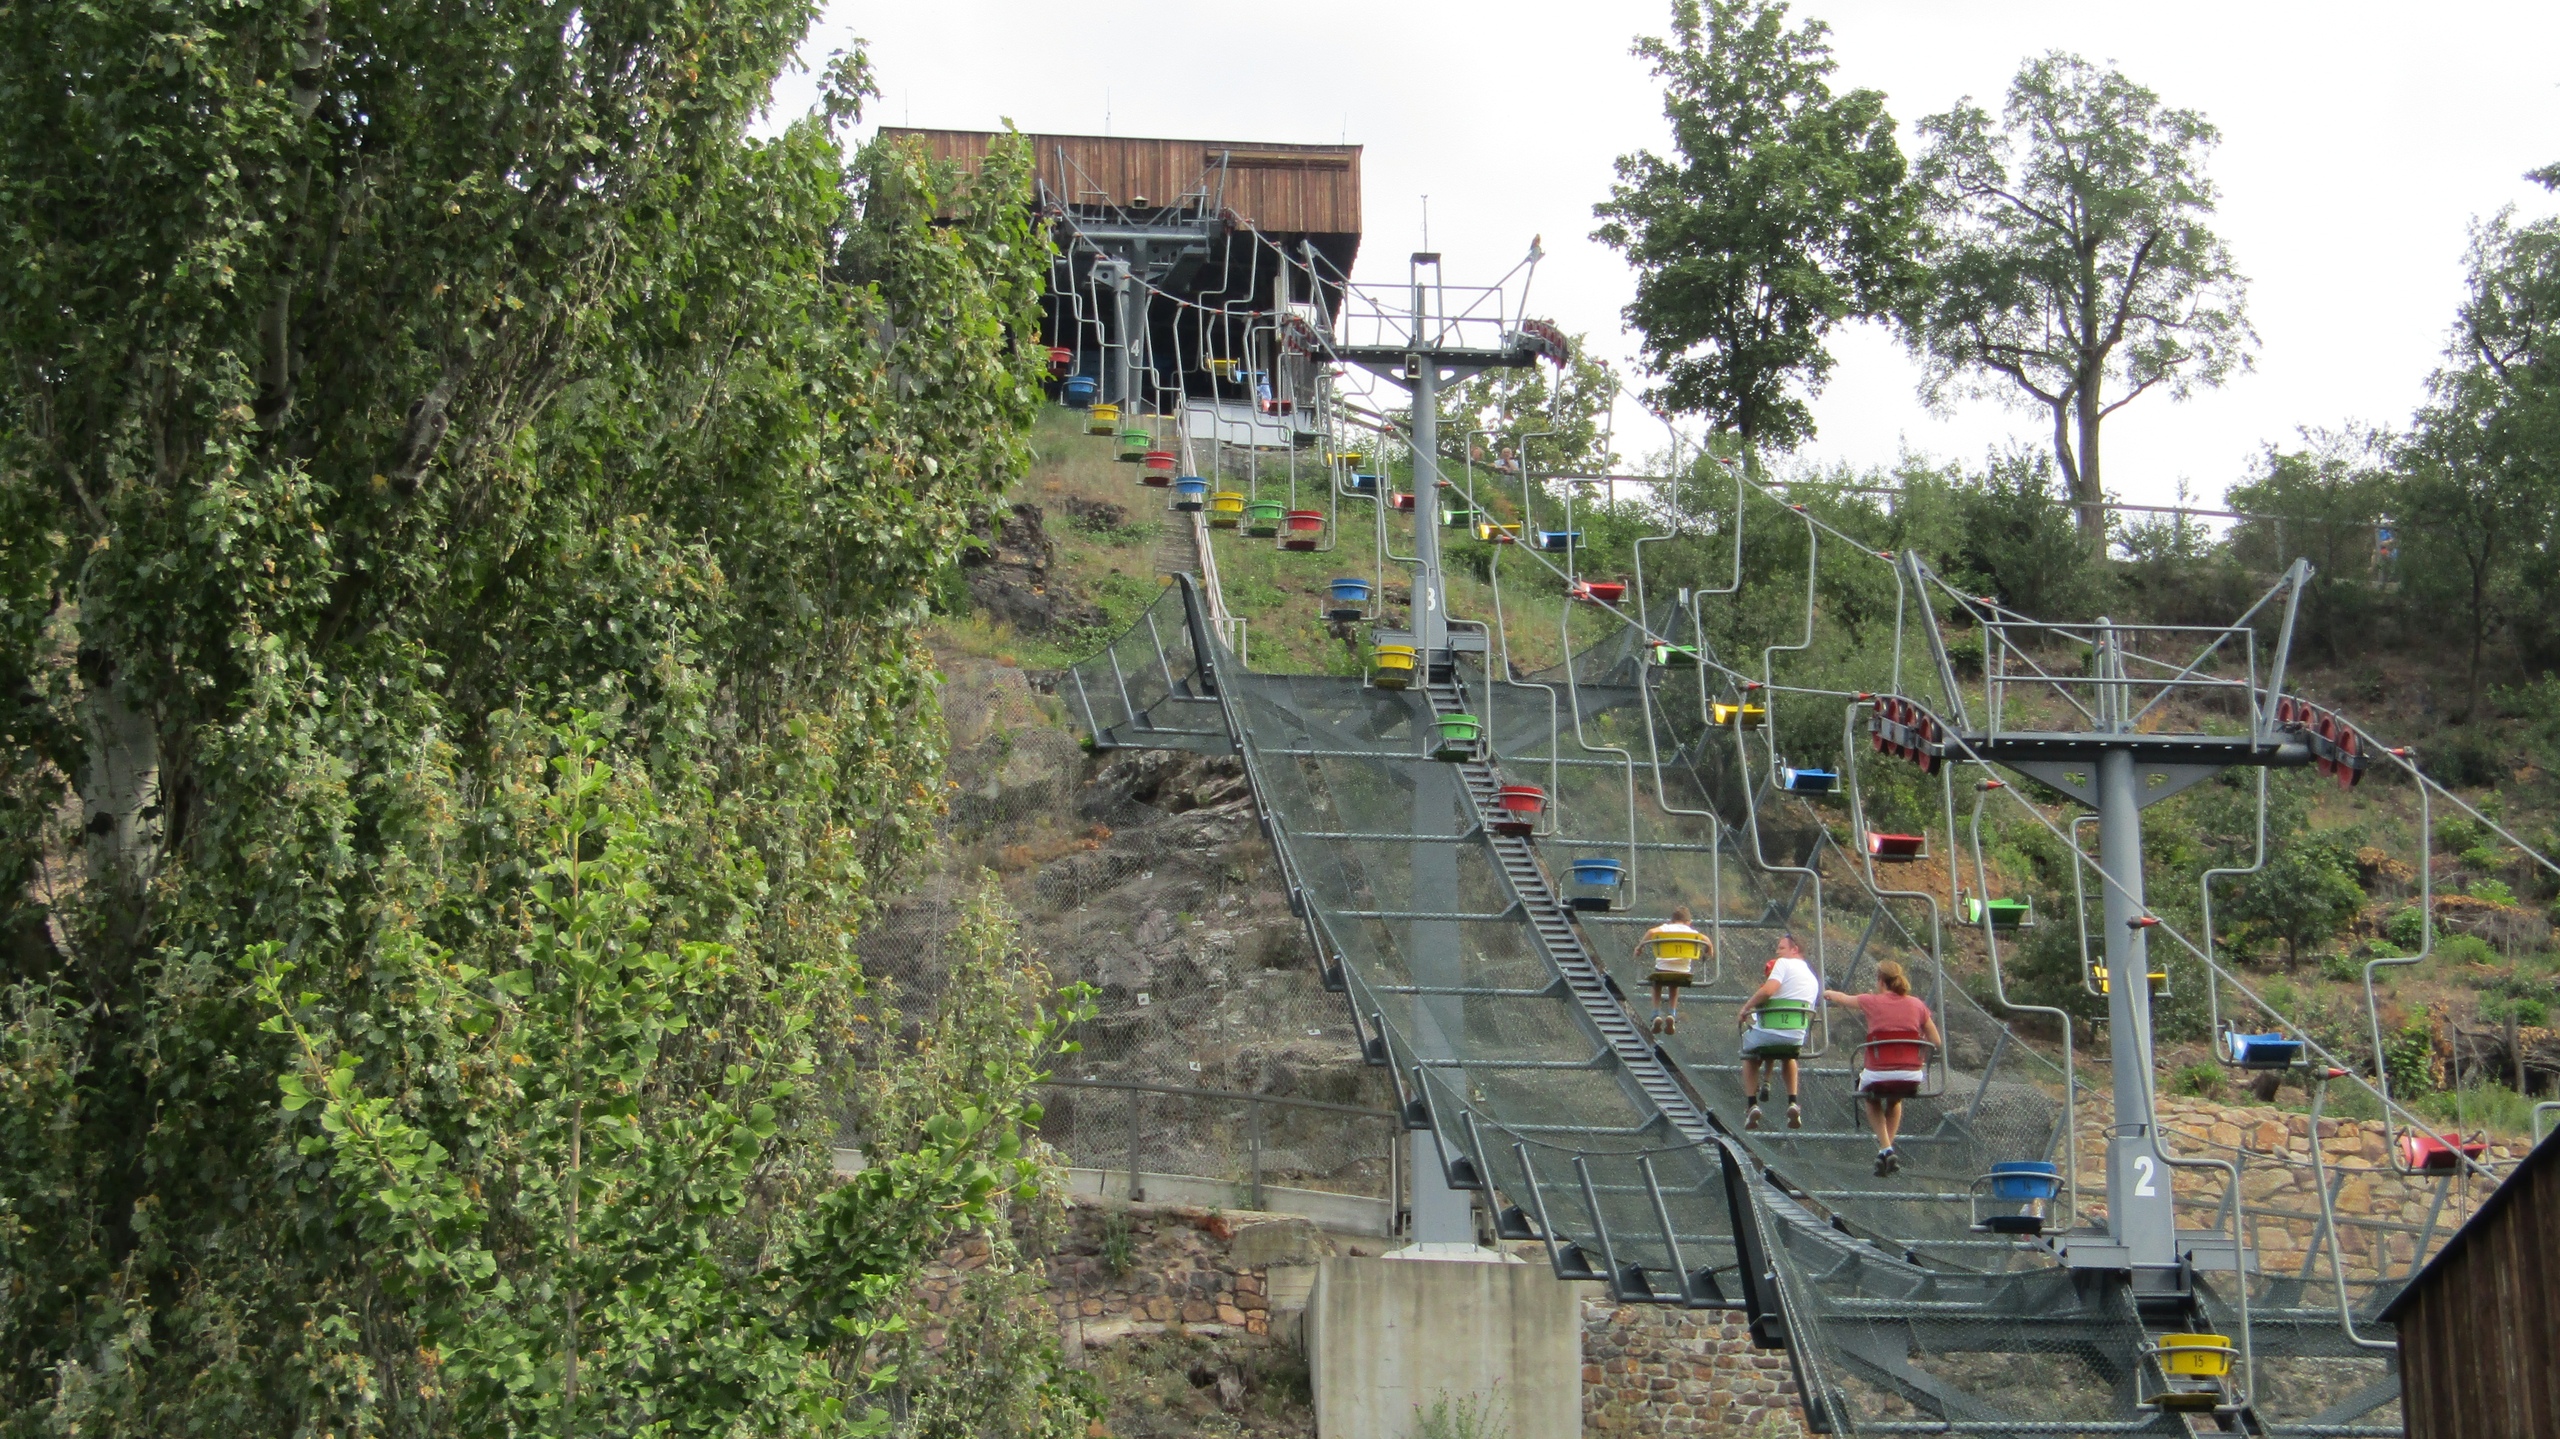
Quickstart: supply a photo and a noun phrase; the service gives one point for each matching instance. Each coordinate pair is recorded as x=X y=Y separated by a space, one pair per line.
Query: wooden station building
x=1178 y=242
x=2479 y=1327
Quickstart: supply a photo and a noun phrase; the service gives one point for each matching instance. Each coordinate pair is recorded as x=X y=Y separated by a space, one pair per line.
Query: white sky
x=2359 y=140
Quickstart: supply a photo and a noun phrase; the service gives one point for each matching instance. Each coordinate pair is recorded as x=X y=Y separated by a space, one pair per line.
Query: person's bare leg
x=1795 y=1112
x=1891 y=1125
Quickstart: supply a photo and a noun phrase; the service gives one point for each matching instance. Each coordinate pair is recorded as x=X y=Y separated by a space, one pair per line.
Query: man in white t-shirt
x=1775 y=1021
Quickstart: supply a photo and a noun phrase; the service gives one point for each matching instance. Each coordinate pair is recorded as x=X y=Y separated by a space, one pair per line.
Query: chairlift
x=1596 y=592
x=1135 y=445
x=1061 y=359
x=1517 y=808
x=1346 y=599
x=1458 y=518
x=1360 y=484
x=1896 y=848
x=1885 y=1052
x=1784 y=1016
x=1301 y=530
x=1459 y=738
x=1401 y=502
x=1495 y=532
x=2159 y=977
x=2259 y=1052
x=2033 y=1183
x=1807 y=781
x=1728 y=716
x=1190 y=493
x=1663 y=655
x=1226 y=509
x=2192 y=1368
x=1262 y=518
x=2426 y=1154
x=2003 y=914
x=1351 y=458
x=1559 y=541
x=1671 y=958
x=1102 y=419
x=1226 y=369
x=1598 y=879
x=1159 y=460
x=1391 y=666
x=1078 y=392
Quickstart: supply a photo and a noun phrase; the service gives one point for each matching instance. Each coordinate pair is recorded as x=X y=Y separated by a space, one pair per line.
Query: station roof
x=1279 y=189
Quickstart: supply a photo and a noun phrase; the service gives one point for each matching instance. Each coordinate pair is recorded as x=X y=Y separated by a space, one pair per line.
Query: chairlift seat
x=1360 y=484
x=1597 y=592
x=1102 y=419
x=2159 y=977
x=1190 y=493
x=1262 y=518
x=2429 y=1155
x=1559 y=541
x=1391 y=667
x=1459 y=735
x=1897 y=848
x=1663 y=655
x=1746 y=716
x=2015 y=1225
x=1671 y=958
x=2004 y=914
x=1497 y=533
x=2195 y=1365
x=2022 y=1181
x=1401 y=502
x=1078 y=392
x=1159 y=460
x=1226 y=509
x=1458 y=518
x=2262 y=1052
x=1226 y=369
x=1782 y=1017
x=1060 y=358
x=1807 y=781
x=1352 y=458
x=1135 y=445
x=1301 y=529
x=1599 y=871
x=1347 y=598
x=1517 y=807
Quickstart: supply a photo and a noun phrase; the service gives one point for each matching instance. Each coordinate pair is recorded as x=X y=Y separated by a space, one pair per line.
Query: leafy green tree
x=1785 y=212
x=2304 y=895
x=2482 y=462
x=2325 y=502
x=2069 y=255
x=1560 y=415
x=463 y=508
x=2015 y=535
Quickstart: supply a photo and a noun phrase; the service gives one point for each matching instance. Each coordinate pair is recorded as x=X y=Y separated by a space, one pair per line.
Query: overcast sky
x=2359 y=141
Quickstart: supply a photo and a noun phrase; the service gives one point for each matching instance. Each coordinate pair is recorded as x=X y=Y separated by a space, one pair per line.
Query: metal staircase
x=1604 y=1009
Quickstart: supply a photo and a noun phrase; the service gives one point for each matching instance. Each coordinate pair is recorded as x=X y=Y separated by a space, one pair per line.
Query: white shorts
x=1868 y=1077
x=1758 y=1043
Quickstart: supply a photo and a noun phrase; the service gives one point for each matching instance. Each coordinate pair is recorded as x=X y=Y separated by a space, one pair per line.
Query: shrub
x=2465 y=949
x=2201 y=1080
x=2495 y=891
x=2406 y=926
x=2458 y=834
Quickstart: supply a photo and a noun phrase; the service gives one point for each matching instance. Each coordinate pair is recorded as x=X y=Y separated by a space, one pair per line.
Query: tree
x=2069 y=254
x=1560 y=413
x=463 y=508
x=2305 y=893
x=1785 y=213
x=2324 y=502
x=2482 y=463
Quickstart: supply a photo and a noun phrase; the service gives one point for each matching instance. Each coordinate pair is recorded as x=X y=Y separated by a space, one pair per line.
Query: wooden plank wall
x=2480 y=1335
x=1299 y=189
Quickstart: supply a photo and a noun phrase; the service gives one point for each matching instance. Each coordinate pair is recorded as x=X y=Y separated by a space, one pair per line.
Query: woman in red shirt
x=1896 y=1062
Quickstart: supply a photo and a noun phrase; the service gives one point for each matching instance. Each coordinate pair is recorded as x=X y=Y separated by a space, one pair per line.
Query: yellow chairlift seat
x=1391 y=667
x=1226 y=509
x=1748 y=716
x=2195 y=1366
x=2159 y=979
x=1499 y=534
x=1102 y=420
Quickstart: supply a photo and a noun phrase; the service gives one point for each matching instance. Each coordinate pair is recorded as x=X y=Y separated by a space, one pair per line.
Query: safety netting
x=1465 y=962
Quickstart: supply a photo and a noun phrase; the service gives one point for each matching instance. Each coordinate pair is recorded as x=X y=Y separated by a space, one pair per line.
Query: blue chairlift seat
x=1559 y=540
x=1347 y=598
x=1364 y=484
x=2262 y=1051
x=1190 y=492
x=2031 y=1182
x=1078 y=391
x=1807 y=781
x=1598 y=876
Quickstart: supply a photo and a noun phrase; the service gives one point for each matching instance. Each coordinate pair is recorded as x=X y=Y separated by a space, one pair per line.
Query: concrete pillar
x=1388 y=1340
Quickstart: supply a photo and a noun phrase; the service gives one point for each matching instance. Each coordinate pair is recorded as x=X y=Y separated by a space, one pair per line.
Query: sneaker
x=1884 y=1163
x=1671 y=1024
x=1795 y=1116
x=1752 y=1120
x=1892 y=1162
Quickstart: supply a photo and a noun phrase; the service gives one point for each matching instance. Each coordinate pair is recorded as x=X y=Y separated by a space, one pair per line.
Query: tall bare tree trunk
x=2087 y=489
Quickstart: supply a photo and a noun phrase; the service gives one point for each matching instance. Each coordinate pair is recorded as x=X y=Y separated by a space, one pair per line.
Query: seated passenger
x=1673 y=949
x=1896 y=1065
x=1774 y=1022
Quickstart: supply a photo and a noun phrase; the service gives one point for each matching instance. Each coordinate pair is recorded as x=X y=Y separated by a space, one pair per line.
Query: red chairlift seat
x=1597 y=592
x=1517 y=808
x=2429 y=1155
x=1060 y=359
x=1400 y=500
x=1896 y=848
x=1301 y=529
